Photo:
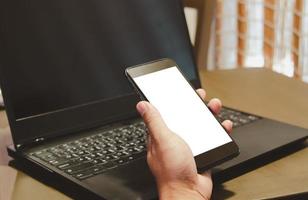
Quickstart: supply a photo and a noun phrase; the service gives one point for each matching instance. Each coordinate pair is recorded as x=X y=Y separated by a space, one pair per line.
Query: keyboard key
x=83 y=175
x=57 y=161
x=80 y=167
x=97 y=170
x=253 y=118
x=121 y=161
x=238 y=118
x=64 y=166
x=45 y=155
x=107 y=165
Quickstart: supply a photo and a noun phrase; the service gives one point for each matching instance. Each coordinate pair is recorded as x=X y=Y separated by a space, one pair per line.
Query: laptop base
x=255 y=152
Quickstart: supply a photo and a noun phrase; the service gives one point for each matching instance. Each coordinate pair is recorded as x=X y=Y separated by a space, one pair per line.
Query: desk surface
x=256 y=91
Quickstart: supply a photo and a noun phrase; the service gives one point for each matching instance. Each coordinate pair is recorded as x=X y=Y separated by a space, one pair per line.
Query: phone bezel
x=207 y=159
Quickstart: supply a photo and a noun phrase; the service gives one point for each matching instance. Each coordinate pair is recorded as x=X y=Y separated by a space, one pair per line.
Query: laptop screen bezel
x=67 y=121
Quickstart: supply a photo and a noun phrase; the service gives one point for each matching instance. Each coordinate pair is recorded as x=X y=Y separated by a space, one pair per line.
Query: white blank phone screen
x=182 y=109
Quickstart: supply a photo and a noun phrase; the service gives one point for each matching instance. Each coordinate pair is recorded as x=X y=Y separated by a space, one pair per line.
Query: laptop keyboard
x=238 y=118
x=95 y=154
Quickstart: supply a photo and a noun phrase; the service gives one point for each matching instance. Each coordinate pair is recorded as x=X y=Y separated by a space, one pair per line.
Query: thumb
x=153 y=120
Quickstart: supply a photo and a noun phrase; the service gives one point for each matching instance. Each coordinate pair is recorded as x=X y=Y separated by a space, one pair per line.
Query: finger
x=215 y=105
x=227 y=124
x=201 y=92
x=149 y=144
x=153 y=121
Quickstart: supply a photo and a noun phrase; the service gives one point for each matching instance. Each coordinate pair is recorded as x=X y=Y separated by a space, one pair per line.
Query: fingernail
x=141 y=108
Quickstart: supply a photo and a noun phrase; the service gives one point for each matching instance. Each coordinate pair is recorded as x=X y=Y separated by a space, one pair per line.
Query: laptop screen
x=62 y=54
x=62 y=62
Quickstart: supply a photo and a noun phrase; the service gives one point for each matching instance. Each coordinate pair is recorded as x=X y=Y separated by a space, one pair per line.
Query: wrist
x=175 y=190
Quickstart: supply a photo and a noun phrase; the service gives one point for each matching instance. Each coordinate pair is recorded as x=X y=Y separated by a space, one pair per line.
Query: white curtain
x=224 y=42
x=304 y=42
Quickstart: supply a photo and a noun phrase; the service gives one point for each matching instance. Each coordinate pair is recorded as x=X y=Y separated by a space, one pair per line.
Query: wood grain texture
x=26 y=188
x=7 y=180
x=282 y=177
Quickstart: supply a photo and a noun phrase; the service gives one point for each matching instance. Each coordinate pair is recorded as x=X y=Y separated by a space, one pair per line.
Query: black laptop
x=71 y=109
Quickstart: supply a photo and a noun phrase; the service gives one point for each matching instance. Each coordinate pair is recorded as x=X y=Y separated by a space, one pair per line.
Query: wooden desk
x=257 y=91
x=271 y=95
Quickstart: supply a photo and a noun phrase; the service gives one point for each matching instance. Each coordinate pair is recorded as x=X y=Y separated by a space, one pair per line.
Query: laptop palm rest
x=258 y=142
x=133 y=181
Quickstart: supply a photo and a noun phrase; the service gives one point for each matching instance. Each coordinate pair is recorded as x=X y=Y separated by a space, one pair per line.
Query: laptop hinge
x=31 y=143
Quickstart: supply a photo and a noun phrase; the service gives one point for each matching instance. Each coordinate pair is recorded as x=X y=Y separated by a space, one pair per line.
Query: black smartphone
x=163 y=84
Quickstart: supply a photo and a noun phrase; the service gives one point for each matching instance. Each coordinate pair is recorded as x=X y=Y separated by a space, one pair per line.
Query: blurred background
x=250 y=33
x=230 y=34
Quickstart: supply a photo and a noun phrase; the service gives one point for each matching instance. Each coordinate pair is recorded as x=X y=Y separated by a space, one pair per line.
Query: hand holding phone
x=162 y=83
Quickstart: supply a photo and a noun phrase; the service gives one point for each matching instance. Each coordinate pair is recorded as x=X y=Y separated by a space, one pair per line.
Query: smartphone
x=163 y=84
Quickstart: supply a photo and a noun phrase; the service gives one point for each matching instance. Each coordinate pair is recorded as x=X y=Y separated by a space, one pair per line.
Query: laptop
x=72 y=111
